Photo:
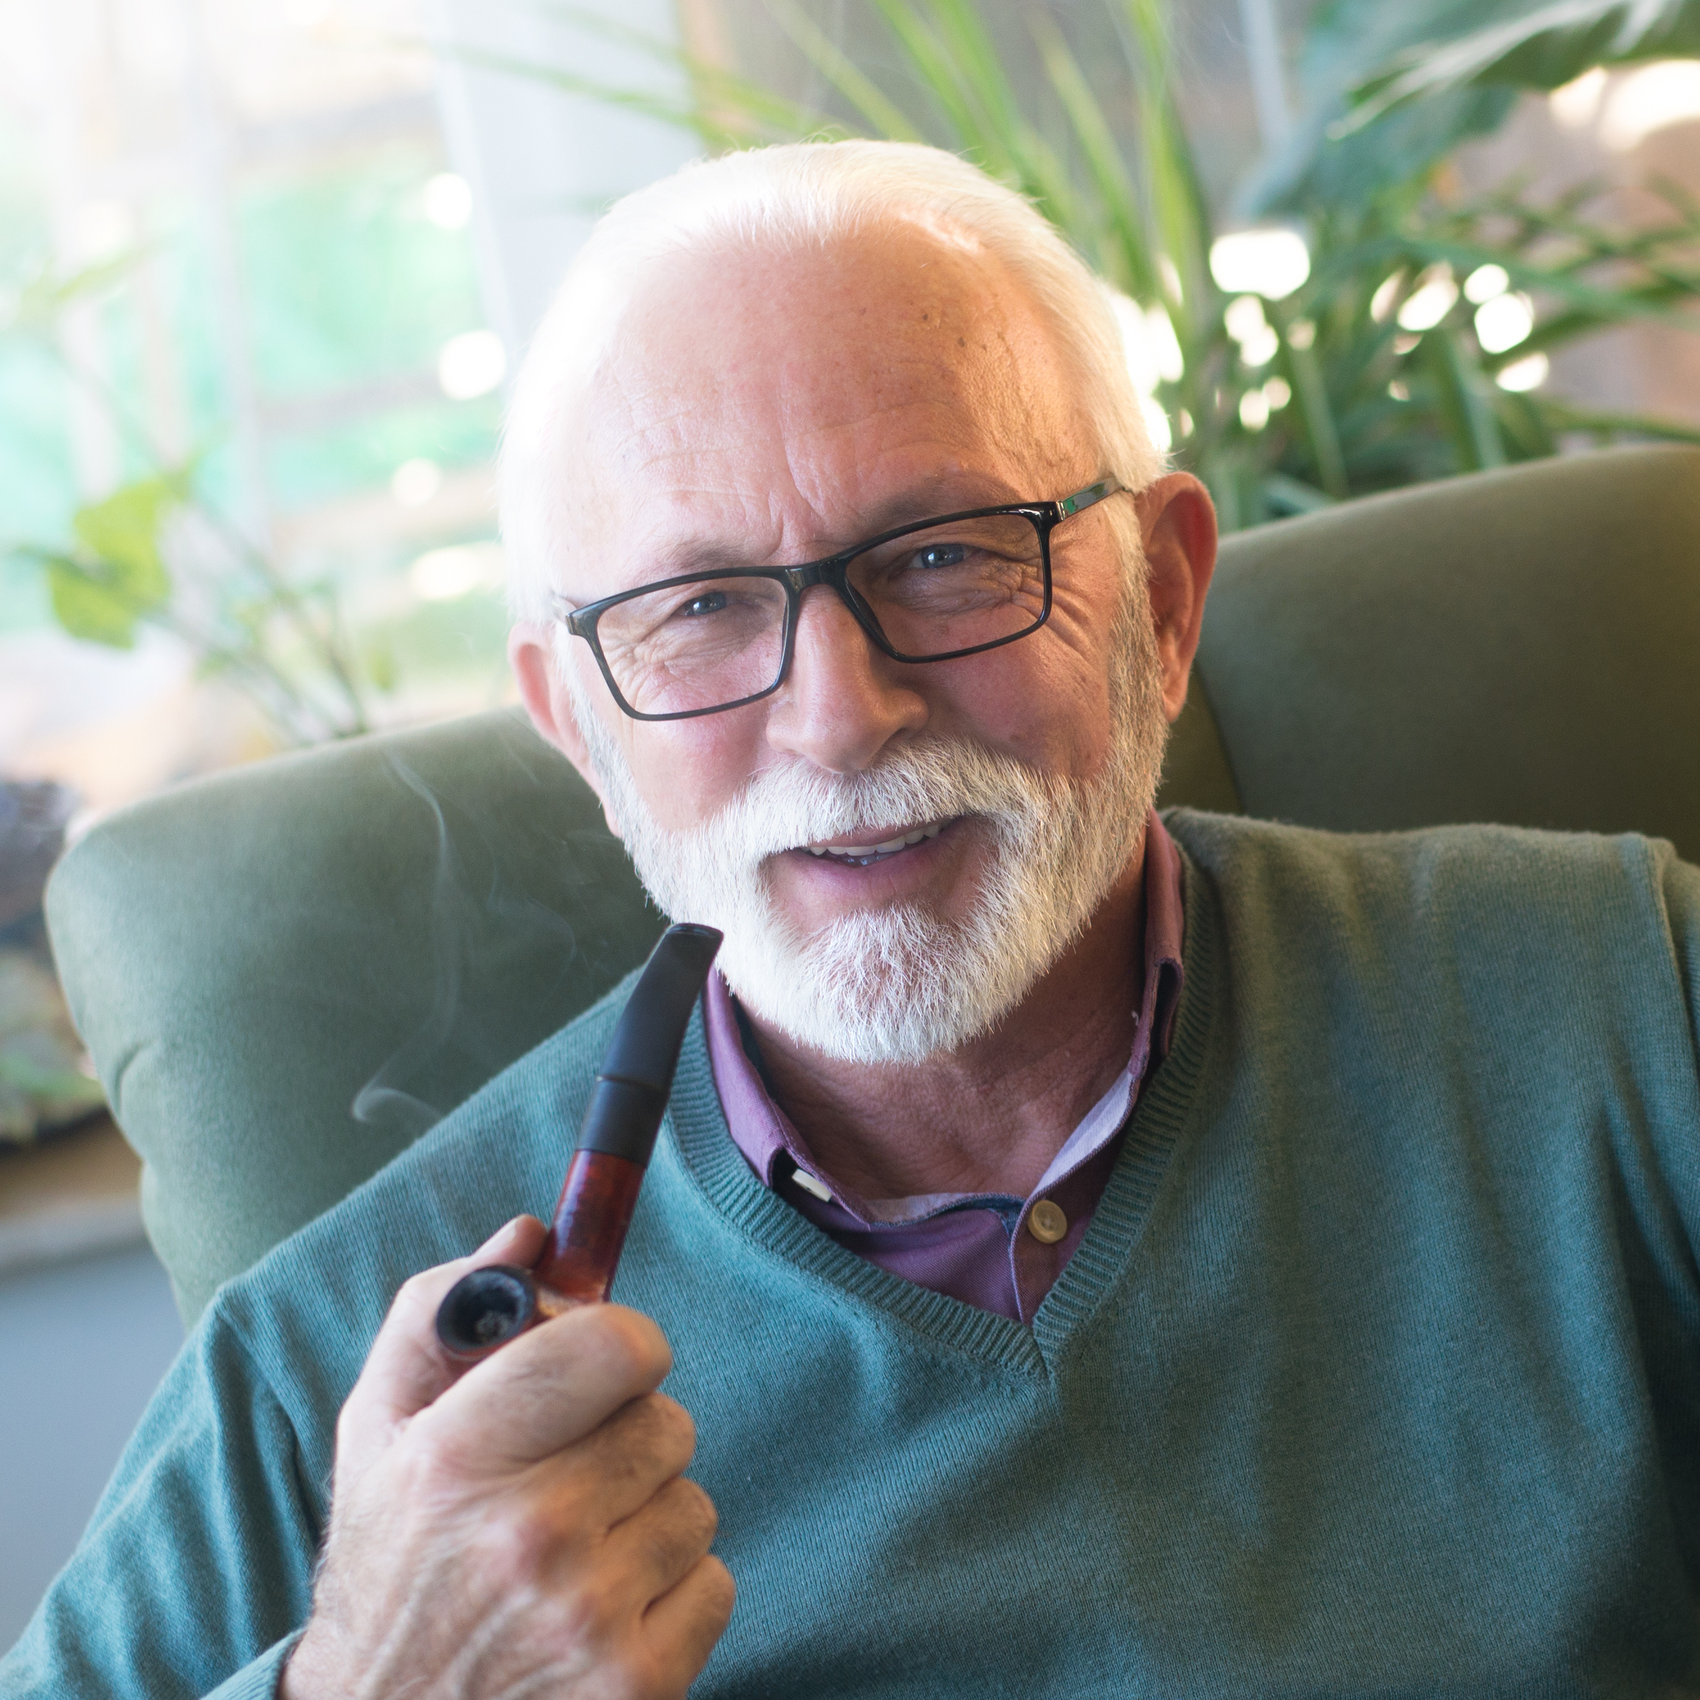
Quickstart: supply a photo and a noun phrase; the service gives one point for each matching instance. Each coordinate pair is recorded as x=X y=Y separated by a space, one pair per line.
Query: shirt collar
x=774 y=1149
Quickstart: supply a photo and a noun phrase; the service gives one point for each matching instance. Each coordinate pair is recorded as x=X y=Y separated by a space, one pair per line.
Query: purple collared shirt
x=978 y=1247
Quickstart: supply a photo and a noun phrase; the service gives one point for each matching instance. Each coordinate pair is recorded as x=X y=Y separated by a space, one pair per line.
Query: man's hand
x=521 y=1527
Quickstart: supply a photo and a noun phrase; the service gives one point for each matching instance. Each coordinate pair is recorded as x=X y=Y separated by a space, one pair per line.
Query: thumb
x=407 y=1369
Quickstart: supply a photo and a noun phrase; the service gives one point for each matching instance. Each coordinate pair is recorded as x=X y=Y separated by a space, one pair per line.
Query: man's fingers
x=683 y=1626
x=548 y=1389
x=618 y=1468
x=406 y=1369
x=657 y=1545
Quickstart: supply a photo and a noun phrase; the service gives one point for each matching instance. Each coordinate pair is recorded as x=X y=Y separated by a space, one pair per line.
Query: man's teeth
x=888 y=847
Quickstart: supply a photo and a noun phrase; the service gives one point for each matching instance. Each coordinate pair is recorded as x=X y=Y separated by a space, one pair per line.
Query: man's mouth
x=861 y=855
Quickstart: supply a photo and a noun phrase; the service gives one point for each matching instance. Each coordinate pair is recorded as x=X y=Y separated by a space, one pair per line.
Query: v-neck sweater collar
x=702 y=1143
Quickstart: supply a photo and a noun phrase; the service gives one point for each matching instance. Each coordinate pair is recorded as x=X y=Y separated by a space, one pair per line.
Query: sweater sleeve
x=1682 y=900
x=196 y=1570
x=1681 y=884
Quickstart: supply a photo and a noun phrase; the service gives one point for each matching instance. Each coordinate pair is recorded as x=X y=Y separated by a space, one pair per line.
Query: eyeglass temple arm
x=568 y=614
x=1085 y=498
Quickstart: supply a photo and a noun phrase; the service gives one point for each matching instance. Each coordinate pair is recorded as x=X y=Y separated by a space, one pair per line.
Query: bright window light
x=1576 y=104
x=1485 y=282
x=1254 y=410
x=1157 y=424
x=104 y=229
x=1259 y=348
x=1386 y=292
x=440 y=575
x=1149 y=344
x=471 y=365
x=1271 y=263
x=1529 y=373
x=1650 y=98
x=1244 y=318
x=448 y=201
x=1136 y=346
x=1430 y=301
x=1503 y=322
x=1165 y=345
x=415 y=482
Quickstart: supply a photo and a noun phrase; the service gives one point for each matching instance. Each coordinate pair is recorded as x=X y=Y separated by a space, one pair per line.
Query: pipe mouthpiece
x=645 y=1046
x=626 y=1107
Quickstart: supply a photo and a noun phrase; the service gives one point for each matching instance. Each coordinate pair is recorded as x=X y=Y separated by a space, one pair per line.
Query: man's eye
x=710 y=602
x=940 y=555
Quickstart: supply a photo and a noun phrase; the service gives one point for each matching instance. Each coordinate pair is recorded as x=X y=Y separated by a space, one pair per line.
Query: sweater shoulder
x=308 y=1311
x=1470 y=870
x=1535 y=934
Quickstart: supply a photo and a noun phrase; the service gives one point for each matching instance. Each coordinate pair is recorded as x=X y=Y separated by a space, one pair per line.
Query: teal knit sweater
x=1377 y=1372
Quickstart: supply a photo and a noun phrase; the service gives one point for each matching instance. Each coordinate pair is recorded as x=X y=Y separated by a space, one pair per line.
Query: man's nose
x=843 y=700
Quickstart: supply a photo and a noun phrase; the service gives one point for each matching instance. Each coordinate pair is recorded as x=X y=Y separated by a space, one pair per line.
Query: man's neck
x=990 y=1116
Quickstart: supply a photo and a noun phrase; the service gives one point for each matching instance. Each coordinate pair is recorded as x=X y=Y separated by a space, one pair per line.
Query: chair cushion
x=1519 y=646
x=286 y=973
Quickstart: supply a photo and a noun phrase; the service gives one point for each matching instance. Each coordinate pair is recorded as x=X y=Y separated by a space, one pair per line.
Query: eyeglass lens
x=932 y=592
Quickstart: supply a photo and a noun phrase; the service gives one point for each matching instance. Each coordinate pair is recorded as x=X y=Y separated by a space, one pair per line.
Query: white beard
x=900 y=983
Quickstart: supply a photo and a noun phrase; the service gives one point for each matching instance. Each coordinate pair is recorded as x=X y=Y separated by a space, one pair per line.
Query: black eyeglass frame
x=832 y=571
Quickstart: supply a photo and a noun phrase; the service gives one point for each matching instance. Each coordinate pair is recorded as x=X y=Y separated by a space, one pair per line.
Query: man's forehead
x=858 y=383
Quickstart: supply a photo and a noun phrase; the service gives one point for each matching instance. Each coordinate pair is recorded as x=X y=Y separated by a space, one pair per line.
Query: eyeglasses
x=944 y=588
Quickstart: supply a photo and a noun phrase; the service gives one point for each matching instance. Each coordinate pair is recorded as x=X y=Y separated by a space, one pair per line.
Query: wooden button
x=1046 y=1222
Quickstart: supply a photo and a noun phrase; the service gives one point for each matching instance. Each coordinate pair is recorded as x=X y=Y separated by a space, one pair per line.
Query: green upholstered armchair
x=286 y=973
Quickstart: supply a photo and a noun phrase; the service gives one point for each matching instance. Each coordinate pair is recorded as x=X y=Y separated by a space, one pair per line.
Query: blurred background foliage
x=248 y=397
x=1407 y=332
x=356 y=292
x=1339 y=309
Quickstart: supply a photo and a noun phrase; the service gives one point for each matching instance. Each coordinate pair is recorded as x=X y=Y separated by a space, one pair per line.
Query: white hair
x=801 y=194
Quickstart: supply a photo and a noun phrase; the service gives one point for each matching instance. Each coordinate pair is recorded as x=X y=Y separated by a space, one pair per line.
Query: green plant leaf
x=762 y=116
x=1360 y=415
x=122 y=534
x=60 y=1090
x=1318 y=168
x=1464 y=404
x=1542 y=49
x=1175 y=196
x=87 y=607
x=117 y=578
x=1123 y=247
x=1562 y=416
x=1345 y=42
x=38 y=304
x=881 y=115
x=1316 y=418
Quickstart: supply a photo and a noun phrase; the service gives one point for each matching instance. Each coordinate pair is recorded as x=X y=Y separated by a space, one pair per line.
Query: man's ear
x=1178 y=524
x=548 y=700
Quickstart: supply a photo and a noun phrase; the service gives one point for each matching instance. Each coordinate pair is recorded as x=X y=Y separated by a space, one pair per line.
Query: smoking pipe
x=490 y=1306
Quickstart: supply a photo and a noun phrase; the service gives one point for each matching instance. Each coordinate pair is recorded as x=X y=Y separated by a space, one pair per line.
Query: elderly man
x=1098 y=1256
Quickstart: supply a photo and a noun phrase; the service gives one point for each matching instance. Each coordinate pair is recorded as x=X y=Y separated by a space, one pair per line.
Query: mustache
x=930 y=778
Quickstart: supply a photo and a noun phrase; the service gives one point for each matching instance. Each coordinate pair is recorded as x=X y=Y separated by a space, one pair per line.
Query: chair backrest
x=286 y=973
